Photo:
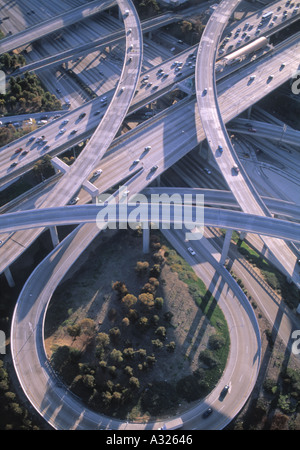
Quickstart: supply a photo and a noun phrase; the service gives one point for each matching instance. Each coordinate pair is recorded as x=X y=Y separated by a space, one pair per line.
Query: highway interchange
x=174 y=132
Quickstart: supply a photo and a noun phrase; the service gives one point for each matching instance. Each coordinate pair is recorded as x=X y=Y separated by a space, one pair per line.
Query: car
x=62 y=131
x=130 y=59
x=154 y=168
x=125 y=193
x=122 y=89
x=32 y=138
x=148 y=148
x=224 y=392
x=103 y=99
x=207 y=170
x=207 y=413
x=253 y=130
x=13 y=164
x=178 y=74
x=73 y=201
x=73 y=131
x=18 y=150
x=165 y=75
x=136 y=161
x=155 y=87
x=192 y=252
x=46 y=147
x=298 y=261
x=220 y=148
x=25 y=152
x=96 y=113
x=82 y=115
x=204 y=91
x=145 y=78
x=97 y=173
x=126 y=13
x=236 y=168
x=64 y=122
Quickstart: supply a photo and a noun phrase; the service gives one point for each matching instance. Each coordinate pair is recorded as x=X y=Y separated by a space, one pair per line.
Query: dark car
x=82 y=115
x=207 y=413
x=13 y=164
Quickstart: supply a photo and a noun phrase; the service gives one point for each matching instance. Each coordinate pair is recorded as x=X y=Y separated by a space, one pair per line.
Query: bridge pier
x=249 y=111
x=54 y=236
x=226 y=245
x=92 y=190
x=59 y=165
x=9 y=277
x=146 y=238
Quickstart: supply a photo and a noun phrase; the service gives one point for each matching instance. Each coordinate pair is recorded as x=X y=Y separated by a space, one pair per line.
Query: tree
x=74 y=330
x=103 y=339
x=141 y=267
x=120 y=287
x=128 y=370
x=129 y=300
x=87 y=326
x=134 y=382
x=171 y=346
x=125 y=322
x=116 y=356
x=128 y=352
x=159 y=302
x=147 y=299
x=157 y=343
x=114 y=334
x=143 y=323
x=161 y=332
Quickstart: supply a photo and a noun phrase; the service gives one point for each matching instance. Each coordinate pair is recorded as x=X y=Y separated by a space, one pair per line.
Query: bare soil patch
x=87 y=293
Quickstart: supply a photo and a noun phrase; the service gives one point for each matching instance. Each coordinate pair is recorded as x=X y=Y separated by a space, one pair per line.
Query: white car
x=97 y=173
x=192 y=252
x=62 y=131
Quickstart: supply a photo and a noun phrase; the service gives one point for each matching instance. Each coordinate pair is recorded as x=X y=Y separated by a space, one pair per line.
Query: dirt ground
x=87 y=292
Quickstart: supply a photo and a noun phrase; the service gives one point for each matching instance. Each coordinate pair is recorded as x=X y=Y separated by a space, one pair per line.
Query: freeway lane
x=213 y=217
x=49 y=26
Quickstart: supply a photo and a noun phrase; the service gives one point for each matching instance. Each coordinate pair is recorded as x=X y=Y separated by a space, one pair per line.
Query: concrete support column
x=9 y=277
x=54 y=236
x=158 y=181
x=226 y=245
x=120 y=15
x=150 y=35
x=146 y=238
x=243 y=235
x=200 y=149
x=249 y=111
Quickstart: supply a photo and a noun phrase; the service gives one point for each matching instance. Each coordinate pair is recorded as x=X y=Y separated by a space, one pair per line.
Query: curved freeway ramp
x=113 y=118
x=216 y=134
x=61 y=408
